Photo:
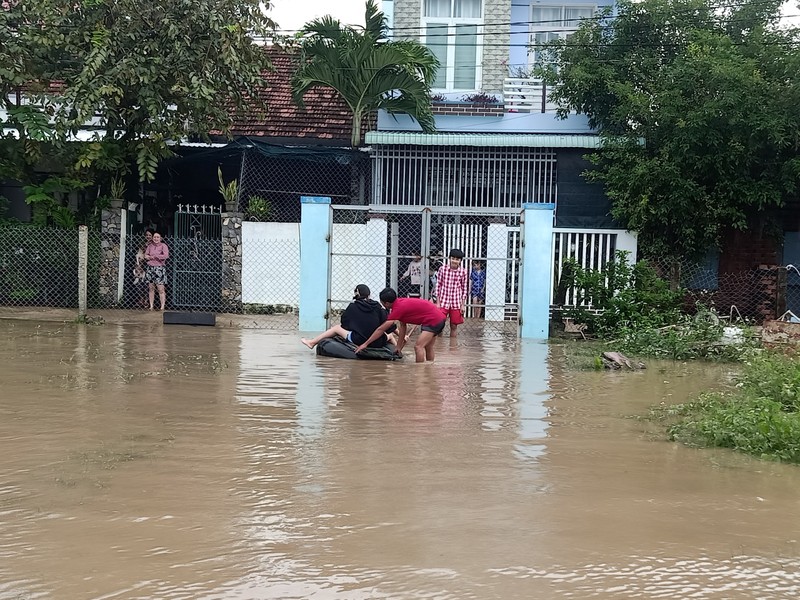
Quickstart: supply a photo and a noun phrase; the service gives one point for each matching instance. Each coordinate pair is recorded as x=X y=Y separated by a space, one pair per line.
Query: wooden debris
x=617 y=360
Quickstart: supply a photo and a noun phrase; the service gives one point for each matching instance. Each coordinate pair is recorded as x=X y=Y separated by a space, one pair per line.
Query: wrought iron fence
x=404 y=250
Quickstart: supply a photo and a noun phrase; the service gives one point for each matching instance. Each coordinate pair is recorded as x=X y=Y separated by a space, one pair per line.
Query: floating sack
x=336 y=347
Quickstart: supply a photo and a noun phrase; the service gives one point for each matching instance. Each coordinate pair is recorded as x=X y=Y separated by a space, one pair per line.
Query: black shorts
x=434 y=329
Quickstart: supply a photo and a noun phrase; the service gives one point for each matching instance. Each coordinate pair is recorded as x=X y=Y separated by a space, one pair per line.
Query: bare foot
x=308 y=343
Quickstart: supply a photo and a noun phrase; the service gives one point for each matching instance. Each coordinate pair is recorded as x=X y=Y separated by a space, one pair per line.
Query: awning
x=503 y=140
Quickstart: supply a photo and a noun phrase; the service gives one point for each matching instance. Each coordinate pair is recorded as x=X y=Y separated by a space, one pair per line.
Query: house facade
x=498 y=146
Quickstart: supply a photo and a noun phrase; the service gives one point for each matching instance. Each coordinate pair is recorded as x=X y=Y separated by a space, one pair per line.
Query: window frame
x=559 y=29
x=452 y=25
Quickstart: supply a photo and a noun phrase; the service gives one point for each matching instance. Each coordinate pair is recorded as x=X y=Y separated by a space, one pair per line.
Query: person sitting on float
x=359 y=320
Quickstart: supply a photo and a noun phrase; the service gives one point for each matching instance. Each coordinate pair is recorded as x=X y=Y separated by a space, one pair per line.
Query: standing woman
x=156 y=256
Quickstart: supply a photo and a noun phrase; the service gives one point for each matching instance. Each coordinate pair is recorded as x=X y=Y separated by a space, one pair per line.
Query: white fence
x=526 y=95
x=591 y=248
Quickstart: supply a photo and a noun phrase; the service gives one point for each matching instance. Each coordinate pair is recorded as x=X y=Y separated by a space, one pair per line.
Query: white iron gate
x=376 y=248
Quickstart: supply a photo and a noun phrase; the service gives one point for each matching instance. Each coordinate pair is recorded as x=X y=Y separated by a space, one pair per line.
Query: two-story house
x=498 y=144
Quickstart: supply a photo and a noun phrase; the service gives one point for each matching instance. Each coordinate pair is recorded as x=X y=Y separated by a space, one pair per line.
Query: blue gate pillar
x=537 y=267
x=315 y=241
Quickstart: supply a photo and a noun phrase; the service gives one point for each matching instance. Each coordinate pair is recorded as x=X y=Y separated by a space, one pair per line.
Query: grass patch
x=690 y=338
x=760 y=417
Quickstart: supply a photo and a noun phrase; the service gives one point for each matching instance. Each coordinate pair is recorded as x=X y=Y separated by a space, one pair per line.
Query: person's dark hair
x=456 y=253
x=388 y=295
x=361 y=291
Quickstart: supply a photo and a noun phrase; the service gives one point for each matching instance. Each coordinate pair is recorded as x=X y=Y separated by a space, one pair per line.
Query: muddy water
x=201 y=463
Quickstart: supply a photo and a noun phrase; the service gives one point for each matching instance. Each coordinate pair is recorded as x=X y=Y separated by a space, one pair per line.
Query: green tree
x=145 y=74
x=698 y=106
x=367 y=70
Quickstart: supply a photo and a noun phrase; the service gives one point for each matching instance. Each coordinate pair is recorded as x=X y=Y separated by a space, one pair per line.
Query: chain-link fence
x=405 y=250
x=253 y=269
x=274 y=178
x=39 y=267
x=755 y=295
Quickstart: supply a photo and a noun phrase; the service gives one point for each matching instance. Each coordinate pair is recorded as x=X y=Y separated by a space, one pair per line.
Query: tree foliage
x=142 y=73
x=698 y=105
x=366 y=69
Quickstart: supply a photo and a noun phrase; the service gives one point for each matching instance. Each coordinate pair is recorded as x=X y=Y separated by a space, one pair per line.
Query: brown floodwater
x=183 y=463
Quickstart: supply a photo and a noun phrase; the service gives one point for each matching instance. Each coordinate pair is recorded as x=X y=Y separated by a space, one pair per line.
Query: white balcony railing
x=526 y=95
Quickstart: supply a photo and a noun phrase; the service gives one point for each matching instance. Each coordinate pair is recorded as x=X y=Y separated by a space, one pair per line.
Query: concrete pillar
x=232 y=262
x=315 y=239
x=537 y=264
x=83 y=262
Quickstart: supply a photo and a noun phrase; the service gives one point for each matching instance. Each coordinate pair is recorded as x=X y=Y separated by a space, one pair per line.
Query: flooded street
x=185 y=463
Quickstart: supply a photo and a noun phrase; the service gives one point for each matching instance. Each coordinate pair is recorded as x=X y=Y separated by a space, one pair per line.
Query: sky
x=293 y=14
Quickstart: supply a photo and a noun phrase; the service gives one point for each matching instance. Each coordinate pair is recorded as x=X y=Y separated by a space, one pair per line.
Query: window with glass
x=452 y=33
x=550 y=23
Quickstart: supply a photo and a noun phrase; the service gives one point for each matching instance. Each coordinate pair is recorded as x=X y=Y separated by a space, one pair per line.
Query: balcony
x=526 y=95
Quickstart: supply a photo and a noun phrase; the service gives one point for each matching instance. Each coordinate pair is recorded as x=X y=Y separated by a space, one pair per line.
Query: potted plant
x=229 y=192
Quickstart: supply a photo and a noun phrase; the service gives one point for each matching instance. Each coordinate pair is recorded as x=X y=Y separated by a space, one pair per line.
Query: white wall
x=271 y=263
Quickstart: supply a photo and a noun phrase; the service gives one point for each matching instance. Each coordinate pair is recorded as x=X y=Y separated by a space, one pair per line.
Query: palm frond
x=367 y=70
x=375 y=21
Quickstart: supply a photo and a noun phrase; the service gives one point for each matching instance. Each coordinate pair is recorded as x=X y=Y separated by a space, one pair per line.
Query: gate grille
x=463 y=176
x=196 y=256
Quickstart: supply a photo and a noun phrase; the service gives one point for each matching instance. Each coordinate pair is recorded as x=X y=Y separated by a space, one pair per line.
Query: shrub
x=626 y=296
x=258 y=208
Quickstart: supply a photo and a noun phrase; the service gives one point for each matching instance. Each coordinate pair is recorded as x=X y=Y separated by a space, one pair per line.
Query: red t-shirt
x=416 y=311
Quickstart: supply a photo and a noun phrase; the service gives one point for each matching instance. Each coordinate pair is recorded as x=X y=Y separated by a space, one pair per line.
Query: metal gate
x=196 y=258
x=377 y=248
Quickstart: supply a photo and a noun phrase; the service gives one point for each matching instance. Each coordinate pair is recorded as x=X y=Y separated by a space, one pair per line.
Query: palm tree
x=368 y=70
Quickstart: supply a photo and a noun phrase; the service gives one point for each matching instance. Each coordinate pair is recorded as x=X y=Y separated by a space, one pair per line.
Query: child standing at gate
x=477 y=280
x=414 y=273
x=451 y=289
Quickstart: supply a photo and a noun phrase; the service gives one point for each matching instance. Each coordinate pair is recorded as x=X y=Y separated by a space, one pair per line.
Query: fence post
x=232 y=257
x=315 y=257
x=537 y=265
x=780 y=291
x=111 y=232
x=83 y=263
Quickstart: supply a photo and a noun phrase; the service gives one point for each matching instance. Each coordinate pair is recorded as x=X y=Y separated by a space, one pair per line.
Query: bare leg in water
x=335 y=330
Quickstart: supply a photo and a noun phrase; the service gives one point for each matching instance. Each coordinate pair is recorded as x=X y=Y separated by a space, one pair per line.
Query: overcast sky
x=293 y=14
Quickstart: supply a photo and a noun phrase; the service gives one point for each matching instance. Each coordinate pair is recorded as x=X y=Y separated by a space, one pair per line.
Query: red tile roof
x=325 y=116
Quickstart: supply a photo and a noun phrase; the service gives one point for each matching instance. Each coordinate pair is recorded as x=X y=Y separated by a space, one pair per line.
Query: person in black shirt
x=361 y=317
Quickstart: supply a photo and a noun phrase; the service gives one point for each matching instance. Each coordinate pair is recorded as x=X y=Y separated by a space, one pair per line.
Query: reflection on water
x=201 y=463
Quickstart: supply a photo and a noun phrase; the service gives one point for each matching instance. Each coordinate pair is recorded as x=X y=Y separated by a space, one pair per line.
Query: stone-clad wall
x=407 y=19
x=110 y=235
x=493 y=49
x=496 y=18
x=232 y=262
